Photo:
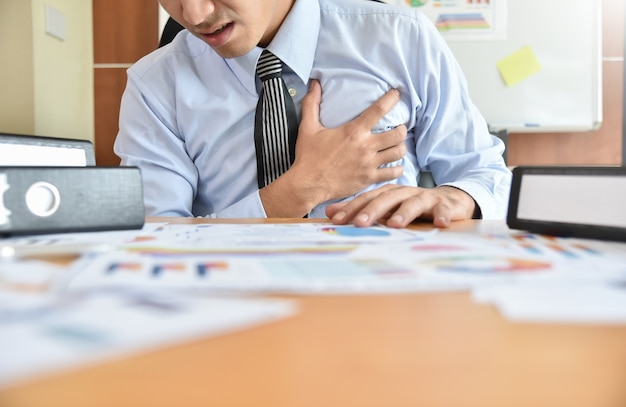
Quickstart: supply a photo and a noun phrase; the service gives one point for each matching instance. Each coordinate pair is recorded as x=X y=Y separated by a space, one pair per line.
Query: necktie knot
x=269 y=66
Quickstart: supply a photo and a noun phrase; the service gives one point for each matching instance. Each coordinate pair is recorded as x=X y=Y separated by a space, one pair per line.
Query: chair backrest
x=28 y=150
x=169 y=31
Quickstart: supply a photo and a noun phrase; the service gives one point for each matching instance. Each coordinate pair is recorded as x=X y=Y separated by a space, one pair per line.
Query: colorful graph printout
x=264 y=239
x=283 y=273
x=464 y=20
x=487 y=264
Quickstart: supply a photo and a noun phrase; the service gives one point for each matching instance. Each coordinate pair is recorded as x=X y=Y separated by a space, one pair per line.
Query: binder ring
x=43 y=199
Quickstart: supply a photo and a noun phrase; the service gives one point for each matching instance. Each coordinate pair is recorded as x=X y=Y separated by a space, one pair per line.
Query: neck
x=281 y=10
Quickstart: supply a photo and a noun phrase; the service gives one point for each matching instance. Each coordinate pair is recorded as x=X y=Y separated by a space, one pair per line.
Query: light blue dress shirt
x=187 y=114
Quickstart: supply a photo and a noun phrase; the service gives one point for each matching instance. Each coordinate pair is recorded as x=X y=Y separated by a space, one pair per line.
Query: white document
x=528 y=277
x=559 y=303
x=82 y=330
x=303 y=258
x=244 y=239
x=63 y=244
x=305 y=274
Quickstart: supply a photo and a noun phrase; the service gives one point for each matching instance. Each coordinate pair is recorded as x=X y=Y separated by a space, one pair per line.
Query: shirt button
x=292 y=92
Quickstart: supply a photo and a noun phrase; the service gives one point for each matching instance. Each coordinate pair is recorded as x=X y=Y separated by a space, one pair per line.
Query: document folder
x=36 y=200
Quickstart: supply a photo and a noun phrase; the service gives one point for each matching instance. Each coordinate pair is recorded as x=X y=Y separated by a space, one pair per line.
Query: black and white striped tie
x=276 y=122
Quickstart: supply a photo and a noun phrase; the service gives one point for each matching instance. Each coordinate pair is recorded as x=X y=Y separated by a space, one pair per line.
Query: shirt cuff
x=492 y=205
x=249 y=207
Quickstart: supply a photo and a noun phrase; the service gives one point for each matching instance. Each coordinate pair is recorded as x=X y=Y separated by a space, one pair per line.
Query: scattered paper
x=99 y=326
x=559 y=303
x=165 y=278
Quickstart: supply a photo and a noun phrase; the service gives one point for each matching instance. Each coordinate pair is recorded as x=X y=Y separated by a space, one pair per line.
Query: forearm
x=291 y=196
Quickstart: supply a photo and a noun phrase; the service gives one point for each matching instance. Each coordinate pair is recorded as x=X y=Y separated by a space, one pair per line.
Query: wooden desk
x=380 y=350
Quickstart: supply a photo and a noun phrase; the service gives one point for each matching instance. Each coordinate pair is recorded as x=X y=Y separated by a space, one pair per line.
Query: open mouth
x=222 y=28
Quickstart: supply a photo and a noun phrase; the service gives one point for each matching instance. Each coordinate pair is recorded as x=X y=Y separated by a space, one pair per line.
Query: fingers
x=311 y=105
x=421 y=206
x=442 y=216
x=338 y=162
x=369 y=207
x=391 y=154
x=385 y=174
x=381 y=107
x=391 y=138
x=400 y=205
x=366 y=120
x=332 y=209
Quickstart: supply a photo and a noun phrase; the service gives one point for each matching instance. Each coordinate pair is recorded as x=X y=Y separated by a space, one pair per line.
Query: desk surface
x=435 y=349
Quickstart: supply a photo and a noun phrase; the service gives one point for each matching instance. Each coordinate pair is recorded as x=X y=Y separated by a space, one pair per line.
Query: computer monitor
x=581 y=201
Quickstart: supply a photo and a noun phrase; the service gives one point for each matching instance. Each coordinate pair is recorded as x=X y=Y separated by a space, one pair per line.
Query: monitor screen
x=579 y=201
x=585 y=199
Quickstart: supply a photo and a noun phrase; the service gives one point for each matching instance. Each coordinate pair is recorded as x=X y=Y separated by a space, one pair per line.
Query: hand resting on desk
x=397 y=206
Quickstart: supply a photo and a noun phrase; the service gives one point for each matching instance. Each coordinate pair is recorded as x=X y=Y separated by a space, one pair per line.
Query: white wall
x=52 y=80
x=163 y=16
x=16 y=67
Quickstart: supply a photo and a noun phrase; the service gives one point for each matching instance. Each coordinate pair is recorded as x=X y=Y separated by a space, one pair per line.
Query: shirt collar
x=295 y=44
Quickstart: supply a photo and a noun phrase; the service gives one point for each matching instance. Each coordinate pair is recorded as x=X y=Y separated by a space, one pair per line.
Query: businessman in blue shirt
x=380 y=98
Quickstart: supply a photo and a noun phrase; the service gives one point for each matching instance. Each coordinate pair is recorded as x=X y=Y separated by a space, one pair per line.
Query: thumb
x=311 y=105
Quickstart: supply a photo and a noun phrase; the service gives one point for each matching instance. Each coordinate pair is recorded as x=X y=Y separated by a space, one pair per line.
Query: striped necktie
x=276 y=122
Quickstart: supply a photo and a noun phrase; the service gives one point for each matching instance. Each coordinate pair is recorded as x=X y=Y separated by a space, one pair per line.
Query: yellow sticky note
x=518 y=66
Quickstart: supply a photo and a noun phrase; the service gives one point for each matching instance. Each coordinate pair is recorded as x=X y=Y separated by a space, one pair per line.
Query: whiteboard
x=565 y=95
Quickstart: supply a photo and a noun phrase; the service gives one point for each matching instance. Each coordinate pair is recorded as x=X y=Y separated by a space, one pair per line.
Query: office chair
x=172 y=27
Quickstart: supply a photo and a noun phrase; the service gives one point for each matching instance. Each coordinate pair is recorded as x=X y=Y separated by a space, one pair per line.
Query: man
x=380 y=98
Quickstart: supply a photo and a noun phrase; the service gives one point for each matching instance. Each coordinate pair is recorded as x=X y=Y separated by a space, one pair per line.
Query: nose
x=195 y=12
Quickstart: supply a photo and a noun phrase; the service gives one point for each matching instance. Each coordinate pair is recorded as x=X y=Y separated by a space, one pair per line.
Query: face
x=231 y=27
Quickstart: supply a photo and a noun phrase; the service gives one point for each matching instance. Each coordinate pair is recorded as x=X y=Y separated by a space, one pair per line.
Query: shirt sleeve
x=452 y=137
x=148 y=139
